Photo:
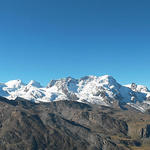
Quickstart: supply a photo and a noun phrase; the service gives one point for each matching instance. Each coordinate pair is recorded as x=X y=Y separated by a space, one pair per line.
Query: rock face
x=64 y=125
x=69 y=125
x=145 y=132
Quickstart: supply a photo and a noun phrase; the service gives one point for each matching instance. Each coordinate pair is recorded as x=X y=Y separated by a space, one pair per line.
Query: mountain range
x=102 y=90
x=90 y=113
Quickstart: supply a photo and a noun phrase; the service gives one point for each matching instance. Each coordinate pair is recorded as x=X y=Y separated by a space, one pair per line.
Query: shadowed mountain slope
x=70 y=125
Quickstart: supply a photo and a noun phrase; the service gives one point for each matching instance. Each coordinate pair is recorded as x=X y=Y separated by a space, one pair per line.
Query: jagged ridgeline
x=103 y=90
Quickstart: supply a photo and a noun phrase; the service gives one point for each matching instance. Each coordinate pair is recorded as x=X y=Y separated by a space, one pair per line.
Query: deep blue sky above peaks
x=50 y=39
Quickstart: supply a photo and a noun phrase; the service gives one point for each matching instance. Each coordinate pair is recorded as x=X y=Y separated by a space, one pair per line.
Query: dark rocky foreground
x=69 y=125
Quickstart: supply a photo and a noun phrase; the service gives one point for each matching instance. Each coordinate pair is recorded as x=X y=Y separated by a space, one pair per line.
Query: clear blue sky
x=50 y=39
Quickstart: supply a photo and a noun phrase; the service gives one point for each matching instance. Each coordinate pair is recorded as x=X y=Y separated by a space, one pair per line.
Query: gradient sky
x=50 y=39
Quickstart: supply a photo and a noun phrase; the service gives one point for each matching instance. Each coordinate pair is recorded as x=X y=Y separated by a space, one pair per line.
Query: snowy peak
x=68 y=83
x=103 y=90
x=14 y=84
x=139 y=88
x=34 y=83
x=107 y=78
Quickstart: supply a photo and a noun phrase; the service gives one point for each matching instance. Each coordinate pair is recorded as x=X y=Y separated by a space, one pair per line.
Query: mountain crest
x=34 y=83
x=102 y=90
x=14 y=83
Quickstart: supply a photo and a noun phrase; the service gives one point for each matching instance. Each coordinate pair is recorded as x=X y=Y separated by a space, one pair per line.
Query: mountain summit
x=102 y=90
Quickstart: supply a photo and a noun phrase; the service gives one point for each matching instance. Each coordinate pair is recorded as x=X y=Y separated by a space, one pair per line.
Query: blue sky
x=50 y=39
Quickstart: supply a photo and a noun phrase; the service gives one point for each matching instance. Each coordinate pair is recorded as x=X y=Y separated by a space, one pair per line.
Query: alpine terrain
x=103 y=90
x=90 y=113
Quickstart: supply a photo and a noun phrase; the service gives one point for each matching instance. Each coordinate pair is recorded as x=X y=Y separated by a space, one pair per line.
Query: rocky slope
x=103 y=90
x=70 y=125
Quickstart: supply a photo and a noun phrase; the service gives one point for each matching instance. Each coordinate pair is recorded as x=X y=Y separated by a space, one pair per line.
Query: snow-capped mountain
x=103 y=90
